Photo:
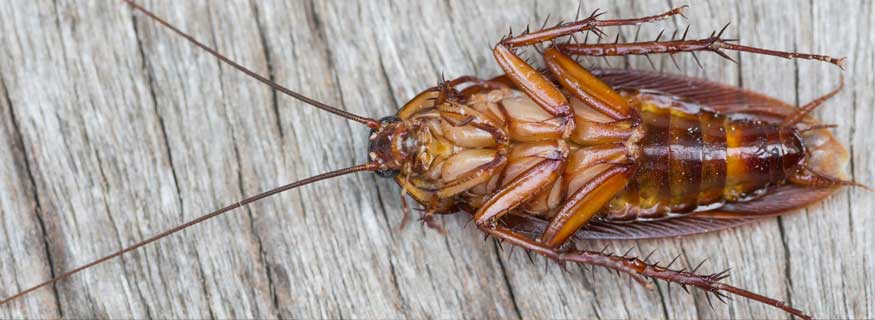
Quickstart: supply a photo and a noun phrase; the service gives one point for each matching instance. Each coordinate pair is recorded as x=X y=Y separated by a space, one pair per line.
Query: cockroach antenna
x=370 y=166
x=364 y=167
x=371 y=123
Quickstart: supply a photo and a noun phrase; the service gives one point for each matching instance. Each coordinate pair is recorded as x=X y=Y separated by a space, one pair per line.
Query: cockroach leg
x=458 y=114
x=819 y=127
x=589 y=24
x=463 y=80
x=520 y=190
x=714 y=43
x=586 y=87
x=636 y=268
x=584 y=203
x=479 y=175
x=473 y=81
x=476 y=85
x=540 y=89
x=428 y=218
x=462 y=85
x=447 y=91
x=420 y=102
x=593 y=133
x=586 y=157
x=405 y=210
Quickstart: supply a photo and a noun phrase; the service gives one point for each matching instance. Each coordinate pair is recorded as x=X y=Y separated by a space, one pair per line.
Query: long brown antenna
x=371 y=123
x=364 y=167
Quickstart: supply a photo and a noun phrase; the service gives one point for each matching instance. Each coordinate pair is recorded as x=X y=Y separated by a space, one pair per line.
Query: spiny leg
x=473 y=85
x=540 y=89
x=589 y=24
x=520 y=190
x=586 y=87
x=584 y=203
x=714 y=43
x=449 y=90
x=445 y=90
x=536 y=86
x=638 y=269
x=606 y=171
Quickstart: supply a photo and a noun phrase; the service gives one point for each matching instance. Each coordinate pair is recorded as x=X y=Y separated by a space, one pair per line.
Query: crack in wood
x=38 y=211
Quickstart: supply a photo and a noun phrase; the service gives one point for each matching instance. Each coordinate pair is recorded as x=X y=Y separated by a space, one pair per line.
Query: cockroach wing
x=714 y=96
x=777 y=201
x=717 y=98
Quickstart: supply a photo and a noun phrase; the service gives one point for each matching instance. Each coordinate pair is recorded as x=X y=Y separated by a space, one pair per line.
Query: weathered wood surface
x=114 y=129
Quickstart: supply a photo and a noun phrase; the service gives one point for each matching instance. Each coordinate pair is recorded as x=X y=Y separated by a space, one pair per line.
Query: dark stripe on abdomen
x=713 y=158
x=690 y=161
x=654 y=165
x=685 y=158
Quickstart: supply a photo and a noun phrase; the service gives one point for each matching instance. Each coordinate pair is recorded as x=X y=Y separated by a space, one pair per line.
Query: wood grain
x=114 y=129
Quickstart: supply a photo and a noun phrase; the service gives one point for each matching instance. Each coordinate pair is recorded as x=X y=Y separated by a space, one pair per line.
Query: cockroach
x=541 y=157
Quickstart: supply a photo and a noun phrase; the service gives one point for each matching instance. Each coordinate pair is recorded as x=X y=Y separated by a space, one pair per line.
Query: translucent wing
x=779 y=201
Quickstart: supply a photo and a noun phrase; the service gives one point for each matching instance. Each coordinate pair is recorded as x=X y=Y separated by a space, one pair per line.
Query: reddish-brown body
x=693 y=160
x=541 y=156
x=681 y=156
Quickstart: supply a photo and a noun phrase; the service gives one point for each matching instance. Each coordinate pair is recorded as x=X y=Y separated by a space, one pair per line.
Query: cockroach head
x=388 y=145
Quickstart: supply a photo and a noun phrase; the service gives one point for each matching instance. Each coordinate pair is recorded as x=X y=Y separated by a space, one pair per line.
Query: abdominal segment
x=697 y=161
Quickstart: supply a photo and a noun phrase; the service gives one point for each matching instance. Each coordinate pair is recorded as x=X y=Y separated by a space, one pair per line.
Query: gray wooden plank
x=118 y=129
